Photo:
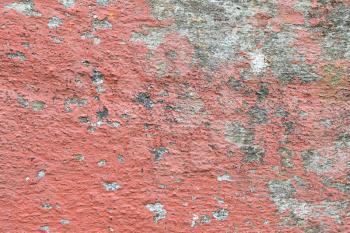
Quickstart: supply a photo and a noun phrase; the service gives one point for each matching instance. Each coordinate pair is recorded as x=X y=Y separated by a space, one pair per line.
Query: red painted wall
x=174 y=116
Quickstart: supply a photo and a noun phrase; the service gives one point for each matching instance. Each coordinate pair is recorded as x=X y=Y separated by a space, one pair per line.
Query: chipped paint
x=174 y=116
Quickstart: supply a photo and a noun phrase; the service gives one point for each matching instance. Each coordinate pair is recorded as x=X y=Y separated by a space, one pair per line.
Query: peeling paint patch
x=74 y=101
x=88 y=35
x=158 y=210
x=252 y=154
x=22 y=101
x=17 y=55
x=145 y=99
x=67 y=3
x=45 y=229
x=40 y=175
x=221 y=214
x=159 y=152
x=38 y=105
x=236 y=133
x=224 y=177
x=24 y=7
x=258 y=62
x=101 y=24
x=54 y=22
x=314 y=161
x=113 y=186
x=102 y=2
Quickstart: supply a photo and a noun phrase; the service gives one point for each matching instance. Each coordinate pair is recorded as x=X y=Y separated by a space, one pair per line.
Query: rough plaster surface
x=174 y=116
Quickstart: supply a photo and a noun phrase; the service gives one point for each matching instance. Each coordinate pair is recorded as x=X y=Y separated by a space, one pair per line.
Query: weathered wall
x=174 y=116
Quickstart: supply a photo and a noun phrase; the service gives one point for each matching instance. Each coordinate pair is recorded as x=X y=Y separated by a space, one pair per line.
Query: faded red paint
x=185 y=180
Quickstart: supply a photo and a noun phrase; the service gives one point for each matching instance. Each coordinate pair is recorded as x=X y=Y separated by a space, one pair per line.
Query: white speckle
x=45 y=229
x=102 y=163
x=258 y=62
x=111 y=186
x=195 y=219
x=64 y=221
x=54 y=22
x=41 y=174
x=225 y=177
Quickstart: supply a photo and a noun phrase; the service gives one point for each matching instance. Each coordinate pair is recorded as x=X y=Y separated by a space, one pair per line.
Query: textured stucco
x=174 y=116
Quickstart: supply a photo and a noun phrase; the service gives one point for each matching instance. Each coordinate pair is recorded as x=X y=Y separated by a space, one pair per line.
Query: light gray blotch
x=343 y=141
x=102 y=2
x=54 y=22
x=282 y=193
x=315 y=162
x=158 y=210
x=24 y=7
x=74 y=101
x=68 y=3
x=236 y=133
